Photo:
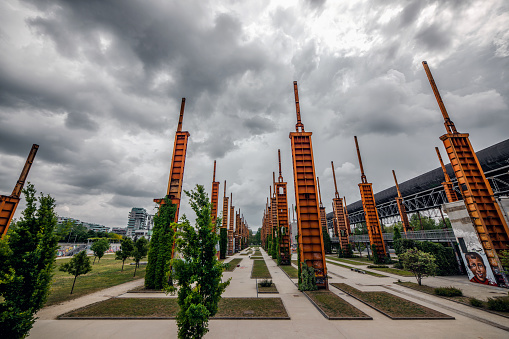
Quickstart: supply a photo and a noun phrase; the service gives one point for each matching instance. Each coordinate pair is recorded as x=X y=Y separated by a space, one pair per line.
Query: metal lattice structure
x=342 y=230
x=447 y=184
x=306 y=198
x=370 y=211
x=478 y=196
x=282 y=217
x=214 y=199
x=9 y=203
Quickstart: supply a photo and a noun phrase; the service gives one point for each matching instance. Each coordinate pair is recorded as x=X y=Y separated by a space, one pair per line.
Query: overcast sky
x=98 y=85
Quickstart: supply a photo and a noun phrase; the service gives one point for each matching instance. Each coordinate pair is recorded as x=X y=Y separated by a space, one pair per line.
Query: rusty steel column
x=480 y=202
x=306 y=198
x=448 y=186
x=345 y=214
x=370 y=212
x=282 y=217
x=401 y=207
x=274 y=221
x=214 y=199
x=236 y=236
x=339 y=216
x=8 y=204
x=323 y=215
x=230 y=228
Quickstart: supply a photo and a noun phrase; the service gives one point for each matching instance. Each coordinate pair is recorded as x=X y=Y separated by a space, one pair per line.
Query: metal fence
x=442 y=235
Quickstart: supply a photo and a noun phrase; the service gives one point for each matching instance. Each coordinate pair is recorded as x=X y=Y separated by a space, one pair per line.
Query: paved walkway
x=306 y=321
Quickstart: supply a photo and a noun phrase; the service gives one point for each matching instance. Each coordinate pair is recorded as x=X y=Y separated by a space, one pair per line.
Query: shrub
x=448 y=291
x=499 y=304
x=308 y=279
x=421 y=264
x=444 y=256
x=476 y=302
x=266 y=283
x=378 y=266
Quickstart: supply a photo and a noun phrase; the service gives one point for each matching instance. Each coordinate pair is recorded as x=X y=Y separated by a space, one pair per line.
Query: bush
x=308 y=279
x=448 y=291
x=378 y=266
x=476 y=302
x=266 y=283
x=499 y=304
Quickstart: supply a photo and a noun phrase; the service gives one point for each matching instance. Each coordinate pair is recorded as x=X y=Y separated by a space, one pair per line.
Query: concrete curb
x=397 y=318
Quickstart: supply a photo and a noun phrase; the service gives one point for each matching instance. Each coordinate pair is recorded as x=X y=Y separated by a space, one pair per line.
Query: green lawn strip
x=367 y=272
x=396 y=271
x=257 y=253
x=260 y=270
x=232 y=264
x=460 y=299
x=168 y=308
x=292 y=272
x=270 y=289
x=347 y=261
x=295 y=262
x=393 y=306
x=334 y=306
x=105 y=273
x=256 y=257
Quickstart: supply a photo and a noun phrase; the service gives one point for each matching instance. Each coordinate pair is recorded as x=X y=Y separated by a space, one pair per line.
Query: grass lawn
x=232 y=264
x=295 y=262
x=334 y=306
x=256 y=257
x=290 y=270
x=347 y=261
x=396 y=271
x=260 y=270
x=367 y=272
x=393 y=306
x=270 y=289
x=168 y=308
x=105 y=273
x=257 y=253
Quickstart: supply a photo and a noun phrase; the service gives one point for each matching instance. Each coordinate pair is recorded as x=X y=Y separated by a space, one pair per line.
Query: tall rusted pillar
x=339 y=217
x=323 y=215
x=8 y=204
x=448 y=186
x=214 y=199
x=282 y=218
x=370 y=212
x=345 y=214
x=311 y=247
x=230 y=229
x=480 y=202
x=401 y=207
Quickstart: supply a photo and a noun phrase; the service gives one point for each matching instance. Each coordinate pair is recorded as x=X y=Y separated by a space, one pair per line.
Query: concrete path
x=306 y=321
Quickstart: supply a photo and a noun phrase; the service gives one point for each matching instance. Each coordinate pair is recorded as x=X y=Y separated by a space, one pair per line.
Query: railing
x=443 y=235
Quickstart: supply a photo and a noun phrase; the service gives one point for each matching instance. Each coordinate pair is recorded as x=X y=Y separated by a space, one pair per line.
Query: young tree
x=198 y=273
x=140 y=250
x=27 y=257
x=126 y=250
x=420 y=263
x=79 y=264
x=99 y=247
x=159 y=253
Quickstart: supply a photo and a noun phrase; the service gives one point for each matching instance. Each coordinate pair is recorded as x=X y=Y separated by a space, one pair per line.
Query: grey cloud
x=433 y=37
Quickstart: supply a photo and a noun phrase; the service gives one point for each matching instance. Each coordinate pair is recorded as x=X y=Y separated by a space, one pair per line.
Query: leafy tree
x=275 y=247
x=160 y=247
x=140 y=250
x=504 y=259
x=126 y=250
x=99 y=247
x=308 y=279
x=420 y=263
x=397 y=234
x=327 y=245
x=79 y=264
x=27 y=257
x=198 y=273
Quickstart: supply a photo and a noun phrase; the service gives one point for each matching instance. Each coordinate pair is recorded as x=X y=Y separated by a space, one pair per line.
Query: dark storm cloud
x=434 y=37
x=258 y=125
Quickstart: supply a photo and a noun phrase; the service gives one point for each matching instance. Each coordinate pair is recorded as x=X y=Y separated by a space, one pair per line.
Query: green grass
x=295 y=262
x=347 y=261
x=105 y=273
x=334 y=306
x=260 y=270
x=367 y=272
x=232 y=264
x=269 y=289
x=292 y=272
x=168 y=308
x=390 y=304
x=396 y=271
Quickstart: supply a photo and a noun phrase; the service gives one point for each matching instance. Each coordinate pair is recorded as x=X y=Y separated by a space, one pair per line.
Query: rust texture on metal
x=8 y=204
x=224 y=223
x=339 y=215
x=370 y=211
x=214 y=199
x=323 y=215
x=447 y=184
x=236 y=237
x=282 y=217
x=230 y=228
x=306 y=198
x=401 y=207
x=178 y=162
x=273 y=213
x=345 y=213
x=478 y=196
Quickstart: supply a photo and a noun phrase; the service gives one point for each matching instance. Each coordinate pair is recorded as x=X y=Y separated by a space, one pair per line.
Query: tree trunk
x=94 y=260
x=122 y=266
x=72 y=289
x=134 y=271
